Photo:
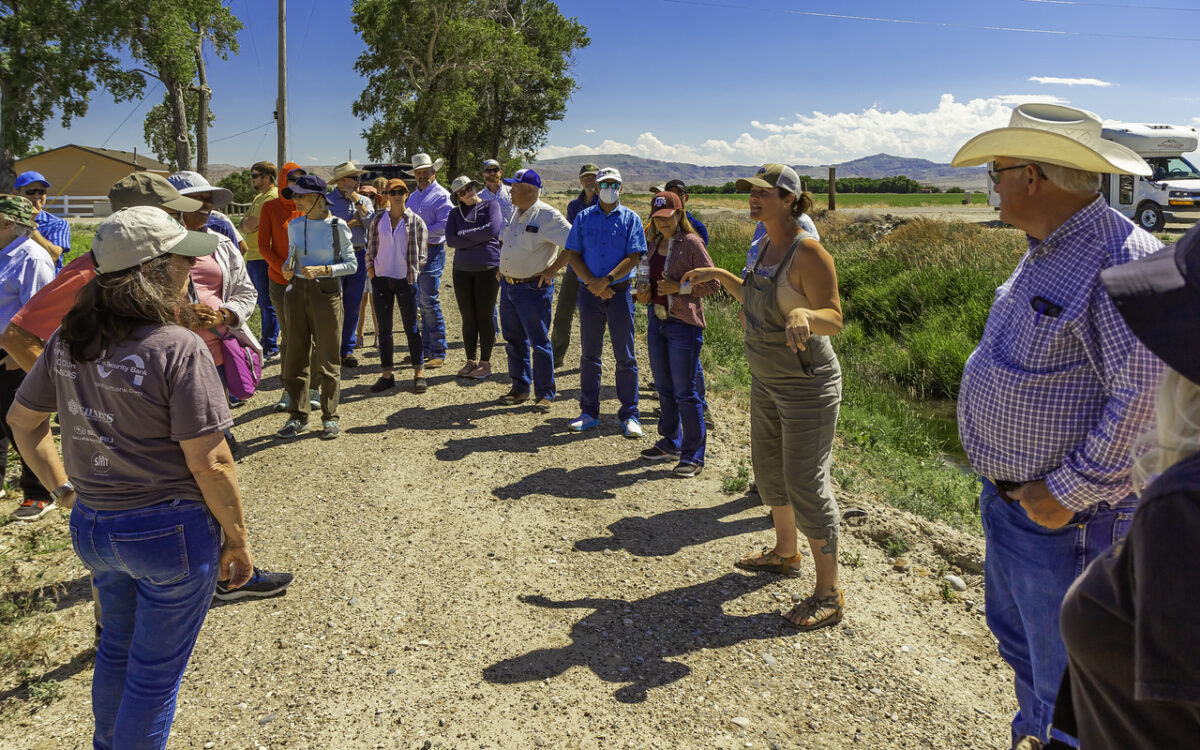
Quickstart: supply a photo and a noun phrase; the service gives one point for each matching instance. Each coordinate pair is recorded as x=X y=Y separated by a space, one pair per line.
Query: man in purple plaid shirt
x=1056 y=391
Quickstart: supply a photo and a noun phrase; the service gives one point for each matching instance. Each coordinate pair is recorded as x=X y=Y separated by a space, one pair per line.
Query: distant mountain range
x=563 y=173
x=639 y=173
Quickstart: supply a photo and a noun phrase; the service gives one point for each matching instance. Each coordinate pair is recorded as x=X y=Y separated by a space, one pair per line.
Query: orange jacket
x=272 y=228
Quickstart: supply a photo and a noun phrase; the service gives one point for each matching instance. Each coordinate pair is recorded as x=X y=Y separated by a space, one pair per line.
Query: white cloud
x=1069 y=81
x=1196 y=120
x=824 y=138
x=590 y=130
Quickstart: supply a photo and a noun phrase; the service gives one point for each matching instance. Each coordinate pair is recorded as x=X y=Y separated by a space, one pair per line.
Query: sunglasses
x=491 y=170
x=994 y=172
x=464 y=191
x=255 y=175
x=34 y=191
x=610 y=184
x=397 y=192
x=203 y=197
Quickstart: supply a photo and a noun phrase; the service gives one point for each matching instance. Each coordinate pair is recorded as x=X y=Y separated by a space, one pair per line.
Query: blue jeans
x=257 y=269
x=1027 y=572
x=525 y=323
x=594 y=314
x=433 y=325
x=352 y=296
x=674 y=348
x=154 y=570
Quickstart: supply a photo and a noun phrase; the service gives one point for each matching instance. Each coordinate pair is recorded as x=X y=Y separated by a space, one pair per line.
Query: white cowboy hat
x=422 y=161
x=193 y=183
x=1053 y=134
x=345 y=169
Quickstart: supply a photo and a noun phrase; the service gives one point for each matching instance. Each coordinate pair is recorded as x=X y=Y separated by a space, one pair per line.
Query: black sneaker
x=385 y=383
x=330 y=429
x=654 y=453
x=512 y=397
x=292 y=428
x=349 y=361
x=420 y=385
x=262 y=583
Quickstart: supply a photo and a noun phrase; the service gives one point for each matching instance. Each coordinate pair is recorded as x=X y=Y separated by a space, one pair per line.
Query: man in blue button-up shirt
x=432 y=203
x=605 y=245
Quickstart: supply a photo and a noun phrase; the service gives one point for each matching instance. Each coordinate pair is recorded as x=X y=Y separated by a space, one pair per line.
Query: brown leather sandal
x=773 y=562
x=820 y=611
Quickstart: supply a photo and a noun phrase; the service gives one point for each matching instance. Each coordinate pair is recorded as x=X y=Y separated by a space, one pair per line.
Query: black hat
x=1159 y=298
x=676 y=184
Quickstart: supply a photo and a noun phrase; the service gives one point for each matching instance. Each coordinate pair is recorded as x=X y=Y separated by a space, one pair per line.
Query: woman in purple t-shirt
x=473 y=230
x=156 y=514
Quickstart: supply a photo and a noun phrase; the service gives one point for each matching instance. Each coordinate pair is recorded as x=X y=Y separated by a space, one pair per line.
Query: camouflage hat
x=588 y=169
x=16 y=208
x=772 y=176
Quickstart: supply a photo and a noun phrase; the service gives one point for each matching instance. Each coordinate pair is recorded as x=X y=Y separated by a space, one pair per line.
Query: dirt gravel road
x=470 y=575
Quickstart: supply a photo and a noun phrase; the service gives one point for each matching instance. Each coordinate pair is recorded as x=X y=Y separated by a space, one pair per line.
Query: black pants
x=476 y=294
x=10 y=381
x=564 y=314
x=387 y=292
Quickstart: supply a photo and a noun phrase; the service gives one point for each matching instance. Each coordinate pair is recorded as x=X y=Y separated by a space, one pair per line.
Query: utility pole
x=281 y=100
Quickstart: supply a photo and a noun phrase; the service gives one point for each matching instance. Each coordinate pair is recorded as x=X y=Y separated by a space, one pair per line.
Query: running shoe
x=262 y=583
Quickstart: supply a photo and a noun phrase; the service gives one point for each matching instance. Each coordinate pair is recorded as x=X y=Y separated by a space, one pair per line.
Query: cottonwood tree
x=463 y=79
x=169 y=37
x=53 y=54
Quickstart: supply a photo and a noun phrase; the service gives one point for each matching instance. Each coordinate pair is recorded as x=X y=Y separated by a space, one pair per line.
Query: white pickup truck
x=1170 y=194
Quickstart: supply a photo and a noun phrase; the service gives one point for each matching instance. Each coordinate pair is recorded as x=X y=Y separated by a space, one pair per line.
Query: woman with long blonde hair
x=1129 y=622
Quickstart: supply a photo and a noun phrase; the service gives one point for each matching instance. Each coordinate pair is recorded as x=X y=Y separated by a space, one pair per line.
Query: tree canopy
x=53 y=54
x=463 y=79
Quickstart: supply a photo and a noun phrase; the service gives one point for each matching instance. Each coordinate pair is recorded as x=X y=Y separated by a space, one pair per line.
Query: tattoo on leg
x=830 y=547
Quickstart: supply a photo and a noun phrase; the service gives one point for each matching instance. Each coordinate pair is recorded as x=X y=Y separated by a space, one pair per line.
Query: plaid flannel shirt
x=1059 y=387
x=418 y=242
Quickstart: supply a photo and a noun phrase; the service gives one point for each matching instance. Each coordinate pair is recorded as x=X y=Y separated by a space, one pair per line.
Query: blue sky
x=738 y=81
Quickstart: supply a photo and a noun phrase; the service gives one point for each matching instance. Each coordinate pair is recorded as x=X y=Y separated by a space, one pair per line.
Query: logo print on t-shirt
x=136 y=366
x=101 y=463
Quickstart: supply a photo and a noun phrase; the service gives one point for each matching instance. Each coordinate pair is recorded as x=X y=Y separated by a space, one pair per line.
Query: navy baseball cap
x=308 y=183
x=25 y=178
x=1159 y=298
x=527 y=176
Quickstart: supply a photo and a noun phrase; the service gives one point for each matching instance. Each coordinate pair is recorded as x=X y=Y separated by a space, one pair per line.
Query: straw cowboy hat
x=345 y=169
x=1053 y=134
x=422 y=161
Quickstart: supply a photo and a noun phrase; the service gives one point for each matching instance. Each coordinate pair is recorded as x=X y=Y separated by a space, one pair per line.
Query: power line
x=1122 y=6
x=253 y=41
x=942 y=24
x=136 y=107
x=248 y=130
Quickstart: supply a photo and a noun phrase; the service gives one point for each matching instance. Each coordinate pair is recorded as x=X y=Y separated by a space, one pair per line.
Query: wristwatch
x=57 y=493
x=609 y=278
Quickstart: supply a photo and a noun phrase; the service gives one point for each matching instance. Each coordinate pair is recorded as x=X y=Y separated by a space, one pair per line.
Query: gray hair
x=1175 y=433
x=1071 y=180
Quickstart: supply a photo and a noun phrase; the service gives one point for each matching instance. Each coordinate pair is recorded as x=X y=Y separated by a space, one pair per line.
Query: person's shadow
x=630 y=641
x=584 y=483
x=669 y=532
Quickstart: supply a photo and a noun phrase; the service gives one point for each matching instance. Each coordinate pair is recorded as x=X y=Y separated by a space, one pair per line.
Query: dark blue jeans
x=674 y=348
x=257 y=269
x=154 y=570
x=389 y=293
x=352 y=294
x=429 y=282
x=616 y=313
x=1027 y=572
x=525 y=323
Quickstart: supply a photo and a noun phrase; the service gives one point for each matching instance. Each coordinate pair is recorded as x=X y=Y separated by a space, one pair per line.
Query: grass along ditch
x=915 y=298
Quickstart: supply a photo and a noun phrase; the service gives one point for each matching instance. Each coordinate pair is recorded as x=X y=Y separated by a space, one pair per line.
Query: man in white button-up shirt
x=530 y=258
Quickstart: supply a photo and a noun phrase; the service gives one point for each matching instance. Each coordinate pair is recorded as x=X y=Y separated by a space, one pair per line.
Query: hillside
x=562 y=173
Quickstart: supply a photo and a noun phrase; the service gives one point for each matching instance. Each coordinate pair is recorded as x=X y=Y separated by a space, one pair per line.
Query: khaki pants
x=313 y=318
x=277 y=292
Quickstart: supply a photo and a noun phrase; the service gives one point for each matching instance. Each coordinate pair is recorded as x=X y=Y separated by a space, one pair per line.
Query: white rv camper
x=1170 y=194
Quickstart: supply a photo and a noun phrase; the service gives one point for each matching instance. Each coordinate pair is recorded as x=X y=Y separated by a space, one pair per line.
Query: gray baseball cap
x=132 y=236
x=772 y=175
x=149 y=189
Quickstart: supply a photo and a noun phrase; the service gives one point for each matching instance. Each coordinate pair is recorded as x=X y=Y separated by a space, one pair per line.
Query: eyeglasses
x=994 y=172
x=397 y=192
x=34 y=192
x=491 y=170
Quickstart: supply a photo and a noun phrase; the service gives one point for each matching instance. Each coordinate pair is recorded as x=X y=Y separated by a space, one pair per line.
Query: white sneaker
x=633 y=428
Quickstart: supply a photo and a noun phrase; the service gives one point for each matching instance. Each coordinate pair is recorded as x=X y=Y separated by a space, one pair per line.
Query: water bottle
x=643 y=273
